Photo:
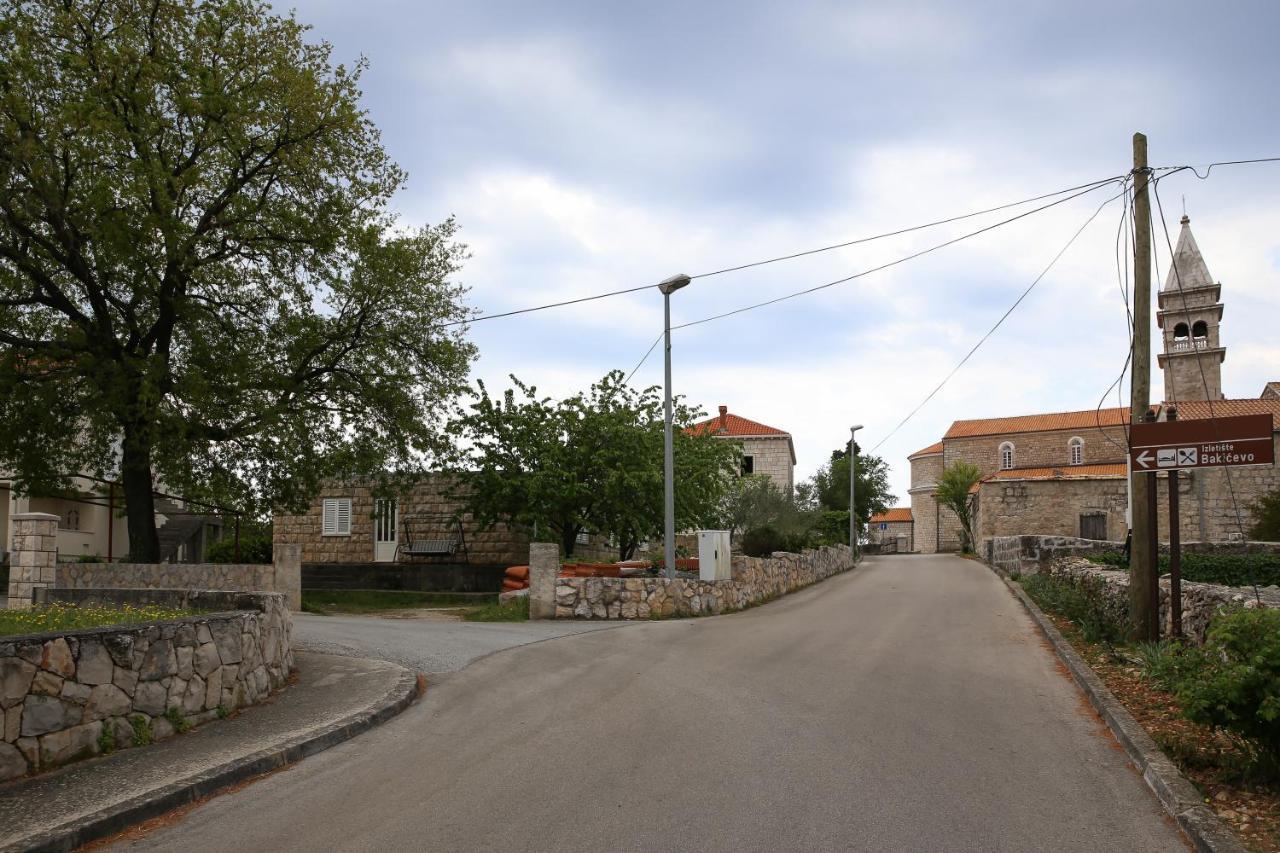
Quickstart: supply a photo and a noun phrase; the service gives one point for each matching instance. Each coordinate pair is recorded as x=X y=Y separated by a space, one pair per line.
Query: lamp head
x=671 y=285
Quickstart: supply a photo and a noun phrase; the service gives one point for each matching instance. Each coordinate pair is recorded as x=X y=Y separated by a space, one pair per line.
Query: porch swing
x=428 y=535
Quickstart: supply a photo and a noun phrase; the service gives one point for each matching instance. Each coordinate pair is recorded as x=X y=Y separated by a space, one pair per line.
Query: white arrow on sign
x=1143 y=458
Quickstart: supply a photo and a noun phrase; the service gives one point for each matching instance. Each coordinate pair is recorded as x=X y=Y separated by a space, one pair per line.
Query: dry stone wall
x=74 y=695
x=755 y=580
x=1201 y=602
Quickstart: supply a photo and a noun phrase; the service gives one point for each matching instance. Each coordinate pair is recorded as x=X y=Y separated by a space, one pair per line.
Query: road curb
x=108 y=821
x=1179 y=797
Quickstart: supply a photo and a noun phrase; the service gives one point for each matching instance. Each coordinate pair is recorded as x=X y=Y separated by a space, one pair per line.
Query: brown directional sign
x=1206 y=443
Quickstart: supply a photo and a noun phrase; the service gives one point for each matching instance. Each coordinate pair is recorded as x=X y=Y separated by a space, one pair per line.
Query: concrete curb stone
x=1179 y=797
x=73 y=834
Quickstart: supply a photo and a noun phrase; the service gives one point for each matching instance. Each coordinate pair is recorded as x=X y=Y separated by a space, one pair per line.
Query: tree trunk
x=568 y=538
x=139 y=500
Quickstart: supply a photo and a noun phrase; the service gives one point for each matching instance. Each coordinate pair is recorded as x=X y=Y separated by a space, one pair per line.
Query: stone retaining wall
x=35 y=553
x=1029 y=554
x=73 y=695
x=1201 y=602
x=755 y=580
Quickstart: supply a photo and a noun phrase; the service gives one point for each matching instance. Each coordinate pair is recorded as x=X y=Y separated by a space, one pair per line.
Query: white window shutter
x=344 y=516
x=330 y=523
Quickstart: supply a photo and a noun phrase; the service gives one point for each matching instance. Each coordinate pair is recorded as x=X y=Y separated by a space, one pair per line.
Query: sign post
x=1175 y=446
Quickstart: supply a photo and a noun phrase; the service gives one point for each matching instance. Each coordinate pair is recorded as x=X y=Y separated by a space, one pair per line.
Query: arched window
x=1200 y=329
x=73 y=519
x=1006 y=455
x=1075 y=450
x=1180 y=332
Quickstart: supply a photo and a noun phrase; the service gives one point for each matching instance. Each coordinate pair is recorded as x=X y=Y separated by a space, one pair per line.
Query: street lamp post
x=853 y=469
x=668 y=287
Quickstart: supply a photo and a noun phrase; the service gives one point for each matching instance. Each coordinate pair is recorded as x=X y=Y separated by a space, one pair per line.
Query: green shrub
x=253 y=549
x=179 y=722
x=1226 y=569
x=764 y=540
x=1235 y=681
x=1083 y=602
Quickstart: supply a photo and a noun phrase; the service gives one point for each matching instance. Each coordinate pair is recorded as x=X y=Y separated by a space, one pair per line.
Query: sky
x=586 y=147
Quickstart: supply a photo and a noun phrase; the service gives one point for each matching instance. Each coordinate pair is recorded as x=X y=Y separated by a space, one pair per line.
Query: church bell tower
x=1190 y=316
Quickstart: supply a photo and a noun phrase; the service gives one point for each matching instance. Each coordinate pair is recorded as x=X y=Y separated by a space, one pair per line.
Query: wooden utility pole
x=1143 y=577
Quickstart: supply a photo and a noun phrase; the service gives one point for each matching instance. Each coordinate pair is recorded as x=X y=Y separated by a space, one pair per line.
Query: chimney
x=724 y=419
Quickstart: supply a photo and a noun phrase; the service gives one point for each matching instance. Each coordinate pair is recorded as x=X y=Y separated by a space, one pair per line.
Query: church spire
x=1191 y=270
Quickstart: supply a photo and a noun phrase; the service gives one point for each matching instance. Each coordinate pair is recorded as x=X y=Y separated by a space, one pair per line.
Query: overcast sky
x=592 y=146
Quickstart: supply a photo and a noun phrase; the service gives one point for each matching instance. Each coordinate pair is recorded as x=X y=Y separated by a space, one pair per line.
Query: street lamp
x=853 y=467
x=668 y=287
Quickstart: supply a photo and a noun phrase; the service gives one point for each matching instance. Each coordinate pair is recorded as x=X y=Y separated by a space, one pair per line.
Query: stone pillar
x=33 y=559
x=544 y=567
x=288 y=574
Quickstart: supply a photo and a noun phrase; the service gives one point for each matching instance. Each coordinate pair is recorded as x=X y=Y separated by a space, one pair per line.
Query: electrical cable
x=999 y=322
x=562 y=303
x=886 y=266
x=645 y=358
x=900 y=231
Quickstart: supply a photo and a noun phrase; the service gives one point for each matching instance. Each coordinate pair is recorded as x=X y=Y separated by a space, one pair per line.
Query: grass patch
x=516 y=610
x=66 y=617
x=331 y=601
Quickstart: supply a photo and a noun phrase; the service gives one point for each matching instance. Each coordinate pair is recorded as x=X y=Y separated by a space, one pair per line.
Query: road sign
x=1206 y=443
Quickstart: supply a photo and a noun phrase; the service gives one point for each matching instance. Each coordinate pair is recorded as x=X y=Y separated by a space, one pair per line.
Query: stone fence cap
x=34 y=516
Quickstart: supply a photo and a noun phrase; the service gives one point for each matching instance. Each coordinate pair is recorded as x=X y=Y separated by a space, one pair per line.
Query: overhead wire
x=892 y=263
x=999 y=322
x=860 y=240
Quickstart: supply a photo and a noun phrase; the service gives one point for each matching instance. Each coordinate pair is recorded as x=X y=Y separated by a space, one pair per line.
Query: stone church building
x=1064 y=473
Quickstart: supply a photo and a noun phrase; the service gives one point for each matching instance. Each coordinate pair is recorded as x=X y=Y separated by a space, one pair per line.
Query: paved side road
x=432 y=646
x=907 y=706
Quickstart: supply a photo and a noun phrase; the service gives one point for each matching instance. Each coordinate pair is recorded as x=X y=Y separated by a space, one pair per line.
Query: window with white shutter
x=337 y=517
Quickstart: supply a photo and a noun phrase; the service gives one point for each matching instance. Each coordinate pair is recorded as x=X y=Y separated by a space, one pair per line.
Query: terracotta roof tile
x=734 y=425
x=1104 y=471
x=1195 y=410
x=898 y=513
x=1086 y=419
x=931 y=449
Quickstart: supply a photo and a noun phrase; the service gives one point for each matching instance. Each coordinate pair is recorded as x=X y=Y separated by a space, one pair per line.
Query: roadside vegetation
x=473 y=607
x=65 y=617
x=817 y=514
x=1213 y=709
x=1226 y=569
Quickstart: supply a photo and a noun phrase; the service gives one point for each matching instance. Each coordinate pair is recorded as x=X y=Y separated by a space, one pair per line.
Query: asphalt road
x=433 y=646
x=907 y=706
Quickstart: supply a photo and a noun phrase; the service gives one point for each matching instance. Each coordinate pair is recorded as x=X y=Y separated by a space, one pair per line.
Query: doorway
x=385 y=523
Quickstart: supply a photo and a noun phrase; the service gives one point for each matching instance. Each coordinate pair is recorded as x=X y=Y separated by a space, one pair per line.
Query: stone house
x=894 y=525
x=1065 y=473
x=348 y=522
x=765 y=450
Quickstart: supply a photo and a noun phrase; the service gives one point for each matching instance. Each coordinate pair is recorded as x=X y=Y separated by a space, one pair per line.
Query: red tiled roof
x=1104 y=471
x=1195 y=410
x=736 y=425
x=1086 y=419
x=931 y=449
x=898 y=513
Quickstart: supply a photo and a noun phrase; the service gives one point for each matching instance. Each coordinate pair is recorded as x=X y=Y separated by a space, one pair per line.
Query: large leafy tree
x=591 y=462
x=199 y=281
x=829 y=488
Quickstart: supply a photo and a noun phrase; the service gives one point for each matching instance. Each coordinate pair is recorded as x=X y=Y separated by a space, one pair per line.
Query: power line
x=644 y=358
x=900 y=231
x=562 y=303
x=893 y=263
x=1208 y=167
x=998 y=323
